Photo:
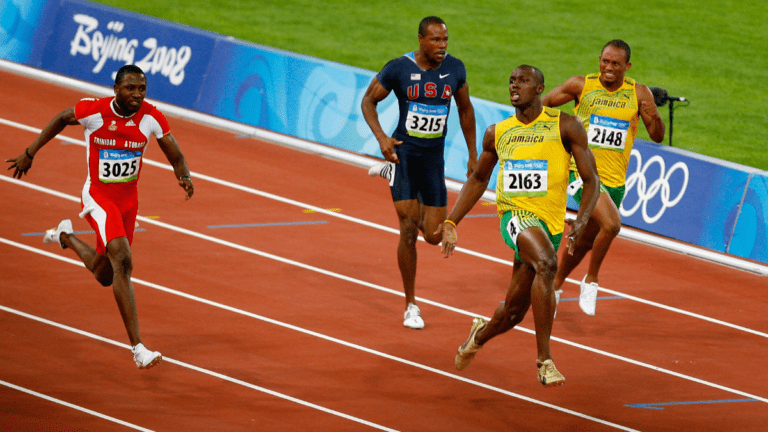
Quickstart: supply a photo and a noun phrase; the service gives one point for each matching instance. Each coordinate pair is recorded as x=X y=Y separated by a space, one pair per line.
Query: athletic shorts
x=513 y=222
x=420 y=175
x=616 y=194
x=110 y=217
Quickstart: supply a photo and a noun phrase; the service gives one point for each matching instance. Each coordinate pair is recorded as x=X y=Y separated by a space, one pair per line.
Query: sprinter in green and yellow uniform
x=533 y=149
x=610 y=106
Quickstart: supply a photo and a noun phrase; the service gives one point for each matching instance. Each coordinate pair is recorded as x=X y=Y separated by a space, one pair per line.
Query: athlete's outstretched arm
x=375 y=94
x=472 y=190
x=564 y=93
x=172 y=151
x=467 y=121
x=575 y=139
x=650 y=114
x=23 y=162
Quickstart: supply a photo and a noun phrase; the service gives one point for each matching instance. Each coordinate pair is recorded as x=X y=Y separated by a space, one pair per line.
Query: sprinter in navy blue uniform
x=424 y=82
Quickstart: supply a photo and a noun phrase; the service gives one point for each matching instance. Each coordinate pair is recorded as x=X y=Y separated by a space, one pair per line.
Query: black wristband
x=26 y=150
x=186 y=177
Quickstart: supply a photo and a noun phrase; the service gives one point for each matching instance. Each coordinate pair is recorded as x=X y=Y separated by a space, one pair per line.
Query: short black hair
x=126 y=70
x=538 y=75
x=618 y=43
x=428 y=21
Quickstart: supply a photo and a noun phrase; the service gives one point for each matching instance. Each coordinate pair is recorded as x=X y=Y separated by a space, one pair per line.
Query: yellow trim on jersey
x=532 y=153
x=621 y=105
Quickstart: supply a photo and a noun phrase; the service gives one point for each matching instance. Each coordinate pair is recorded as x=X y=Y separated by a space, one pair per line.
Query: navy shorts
x=420 y=175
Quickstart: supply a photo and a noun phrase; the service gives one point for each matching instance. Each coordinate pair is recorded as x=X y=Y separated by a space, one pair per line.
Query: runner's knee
x=546 y=266
x=614 y=228
x=409 y=231
x=122 y=264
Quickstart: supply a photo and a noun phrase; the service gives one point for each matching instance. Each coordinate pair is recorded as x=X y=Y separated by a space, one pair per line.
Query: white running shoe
x=385 y=170
x=145 y=358
x=588 y=297
x=53 y=235
x=558 y=293
x=412 y=317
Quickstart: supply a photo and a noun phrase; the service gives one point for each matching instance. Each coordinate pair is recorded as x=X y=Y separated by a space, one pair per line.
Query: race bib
x=525 y=177
x=607 y=133
x=426 y=121
x=118 y=166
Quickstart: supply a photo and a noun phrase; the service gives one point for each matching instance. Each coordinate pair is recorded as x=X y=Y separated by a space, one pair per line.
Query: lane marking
x=73 y=406
x=660 y=406
x=315 y=211
x=268 y=224
x=482 y=215
x=392 y=230
x=401 y=294
x=599 y=298
x=280 y=324
x=40 y=234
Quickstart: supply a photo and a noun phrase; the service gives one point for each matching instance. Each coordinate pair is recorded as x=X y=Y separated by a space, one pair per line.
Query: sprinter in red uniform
x=117 y=131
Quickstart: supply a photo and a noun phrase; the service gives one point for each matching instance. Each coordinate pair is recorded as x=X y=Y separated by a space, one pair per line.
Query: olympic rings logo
x=660 y=185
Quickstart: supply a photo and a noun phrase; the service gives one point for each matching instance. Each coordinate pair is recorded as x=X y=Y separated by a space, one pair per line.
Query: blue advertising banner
x=681 y=196
x=92 y=42
x=671 y=192
x=750 y=239
x=316 y=100
x=20 y=32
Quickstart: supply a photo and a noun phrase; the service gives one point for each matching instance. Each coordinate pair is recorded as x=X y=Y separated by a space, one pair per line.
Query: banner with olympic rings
x=670 y=192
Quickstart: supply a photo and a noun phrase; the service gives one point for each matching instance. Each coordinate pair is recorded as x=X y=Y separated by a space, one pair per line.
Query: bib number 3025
x=118 y=166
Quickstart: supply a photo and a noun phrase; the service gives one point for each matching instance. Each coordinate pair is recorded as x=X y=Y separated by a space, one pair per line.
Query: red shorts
x=110 y=216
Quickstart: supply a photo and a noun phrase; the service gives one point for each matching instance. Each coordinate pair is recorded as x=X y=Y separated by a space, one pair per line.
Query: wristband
x=450 y=222
x=26 y=150
x=186 y=177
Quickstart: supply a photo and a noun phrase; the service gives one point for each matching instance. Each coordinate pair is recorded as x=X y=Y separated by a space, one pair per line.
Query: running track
x=275 y=299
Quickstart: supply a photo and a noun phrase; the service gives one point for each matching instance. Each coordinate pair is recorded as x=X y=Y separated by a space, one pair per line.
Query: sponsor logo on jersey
x=130 y=123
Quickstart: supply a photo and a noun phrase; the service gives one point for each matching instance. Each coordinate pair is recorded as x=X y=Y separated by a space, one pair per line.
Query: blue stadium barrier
x=705 y=202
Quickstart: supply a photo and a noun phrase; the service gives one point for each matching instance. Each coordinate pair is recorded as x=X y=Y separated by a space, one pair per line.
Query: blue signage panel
x=680 y=196
x=750 y=237
x=19 y=30
x=92 y=42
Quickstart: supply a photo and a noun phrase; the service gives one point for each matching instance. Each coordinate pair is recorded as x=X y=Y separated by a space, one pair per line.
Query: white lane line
x=394 y=292
x=284 y=325
x=193 y=367
x=380 y=227
x=73 y=406
x=398 y=293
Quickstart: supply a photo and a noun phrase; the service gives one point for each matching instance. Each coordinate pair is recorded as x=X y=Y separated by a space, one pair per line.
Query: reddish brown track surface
x=297 y=324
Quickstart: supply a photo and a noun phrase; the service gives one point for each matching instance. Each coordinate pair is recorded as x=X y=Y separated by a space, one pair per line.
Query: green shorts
x=513 y=222
x=616 y=194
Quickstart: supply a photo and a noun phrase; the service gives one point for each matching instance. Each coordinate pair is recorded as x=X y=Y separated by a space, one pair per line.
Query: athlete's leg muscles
x=408 y=214
x=431 y=219
x=609 y=220
x=536 y=250
x=119 y=254
x=569 y=262
x=98 y=264
x=515 y=306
